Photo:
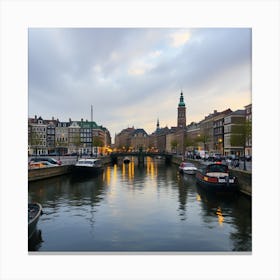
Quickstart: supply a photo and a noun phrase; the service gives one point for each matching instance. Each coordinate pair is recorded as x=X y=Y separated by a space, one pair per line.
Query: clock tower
x=181 y=119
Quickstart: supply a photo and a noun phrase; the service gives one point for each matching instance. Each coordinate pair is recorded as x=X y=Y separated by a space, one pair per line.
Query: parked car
x=48 y=159
x=41 y=164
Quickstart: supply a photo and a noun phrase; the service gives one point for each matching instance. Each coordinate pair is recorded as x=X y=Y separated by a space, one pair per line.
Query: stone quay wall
x=43 y=173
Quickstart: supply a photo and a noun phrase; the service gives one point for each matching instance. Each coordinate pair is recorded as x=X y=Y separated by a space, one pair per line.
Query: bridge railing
x=140 y=153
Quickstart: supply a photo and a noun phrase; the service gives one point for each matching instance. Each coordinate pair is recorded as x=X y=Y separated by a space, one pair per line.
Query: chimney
x=70 y=120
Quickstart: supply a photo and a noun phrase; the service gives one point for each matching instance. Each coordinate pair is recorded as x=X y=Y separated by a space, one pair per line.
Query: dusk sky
x=133 y=76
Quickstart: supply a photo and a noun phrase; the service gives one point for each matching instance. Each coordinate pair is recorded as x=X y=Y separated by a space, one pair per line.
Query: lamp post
x=220 y=143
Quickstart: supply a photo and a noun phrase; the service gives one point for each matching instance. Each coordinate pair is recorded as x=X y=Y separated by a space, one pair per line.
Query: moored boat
x=88 y=166
x=126 y=160
x=187 y=168
x=217 y=178
x=34 y=212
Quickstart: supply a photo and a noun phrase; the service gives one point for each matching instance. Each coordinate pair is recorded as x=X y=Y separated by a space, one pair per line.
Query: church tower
x=181 y=119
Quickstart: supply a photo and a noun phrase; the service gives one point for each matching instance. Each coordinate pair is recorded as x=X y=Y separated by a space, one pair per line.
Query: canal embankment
x=244 y=177
x=48 y=172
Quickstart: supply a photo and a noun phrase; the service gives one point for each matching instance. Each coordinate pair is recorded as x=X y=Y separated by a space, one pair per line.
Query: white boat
x=187 y=168
x=88 y=166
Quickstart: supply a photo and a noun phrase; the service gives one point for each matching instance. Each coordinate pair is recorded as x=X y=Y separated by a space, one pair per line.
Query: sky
x=134 y=76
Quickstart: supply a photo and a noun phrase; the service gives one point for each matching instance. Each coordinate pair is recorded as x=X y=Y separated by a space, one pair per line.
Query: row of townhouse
x=56 y=137
x=215 y=132
x=212 y=134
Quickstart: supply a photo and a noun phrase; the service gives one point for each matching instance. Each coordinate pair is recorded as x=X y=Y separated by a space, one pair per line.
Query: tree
x=241 y=134
x=202 y=138
x=97 y=142
x=189 y=142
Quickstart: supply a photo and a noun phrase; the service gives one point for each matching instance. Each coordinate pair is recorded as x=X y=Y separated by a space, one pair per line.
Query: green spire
x=181 y=103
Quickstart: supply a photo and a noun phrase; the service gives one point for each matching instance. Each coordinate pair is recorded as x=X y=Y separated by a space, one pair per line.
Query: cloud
x=140 y=68
x=179 y=38
x=140 y=71
x=156 y=54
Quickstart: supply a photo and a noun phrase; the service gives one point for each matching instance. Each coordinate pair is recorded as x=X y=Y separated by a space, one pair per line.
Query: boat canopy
x=217 y=168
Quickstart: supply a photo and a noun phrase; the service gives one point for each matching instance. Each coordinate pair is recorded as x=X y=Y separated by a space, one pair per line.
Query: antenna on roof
x=91 y=113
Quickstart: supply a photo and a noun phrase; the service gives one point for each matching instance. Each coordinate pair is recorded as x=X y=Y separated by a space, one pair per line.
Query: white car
x=187 y=168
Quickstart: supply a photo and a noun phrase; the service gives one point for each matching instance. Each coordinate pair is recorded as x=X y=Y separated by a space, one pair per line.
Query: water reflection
x=228 y=210
x=131 y=207
x=36 y=240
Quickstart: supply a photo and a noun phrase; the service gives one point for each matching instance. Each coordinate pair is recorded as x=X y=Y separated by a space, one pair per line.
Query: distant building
x=131 y=139
x=123 y=139
x=51 y=125
x=211 y=131
x=139 y=139
x=61 y=137
x=181 y=117
x=55 y=137
x=74 y=138
x=193 y=132
x=157 y=140
x=86 y=136
x=37 y=136
x=218 y=131
x=233 y=119
x=248 y=117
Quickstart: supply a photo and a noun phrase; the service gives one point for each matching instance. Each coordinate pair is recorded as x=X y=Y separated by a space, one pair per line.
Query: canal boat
x=187 y=168
x=216 y=178
x=34 y=212
x=88 y=166
x=126 y=160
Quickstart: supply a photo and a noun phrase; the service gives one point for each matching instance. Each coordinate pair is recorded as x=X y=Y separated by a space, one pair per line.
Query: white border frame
x=261 y=16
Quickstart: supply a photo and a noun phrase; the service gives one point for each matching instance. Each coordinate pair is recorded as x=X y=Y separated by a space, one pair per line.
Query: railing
x=140 y=153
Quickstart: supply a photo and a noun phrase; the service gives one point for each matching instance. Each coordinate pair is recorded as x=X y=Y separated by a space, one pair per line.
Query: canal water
x=131 y=208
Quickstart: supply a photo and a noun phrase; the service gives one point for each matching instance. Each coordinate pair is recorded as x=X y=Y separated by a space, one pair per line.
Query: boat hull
x=82 y=170
x=189 y=172
x=229 y=186
x=34 y=212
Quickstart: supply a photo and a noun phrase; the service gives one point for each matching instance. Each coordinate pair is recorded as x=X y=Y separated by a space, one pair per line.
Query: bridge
x=140 y=156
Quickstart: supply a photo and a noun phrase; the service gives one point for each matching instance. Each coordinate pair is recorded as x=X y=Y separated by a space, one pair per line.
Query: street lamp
x=220 y=141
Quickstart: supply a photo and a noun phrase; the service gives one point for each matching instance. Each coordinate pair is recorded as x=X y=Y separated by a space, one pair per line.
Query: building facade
x=248 y=117
x=123 y=139
x=37 y=136
x=232 y=120
x=139 y=140
x=218 y=131
x=61 y=137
